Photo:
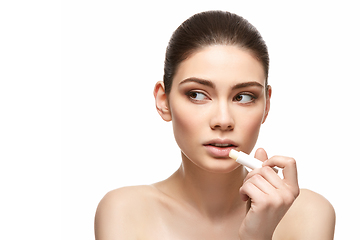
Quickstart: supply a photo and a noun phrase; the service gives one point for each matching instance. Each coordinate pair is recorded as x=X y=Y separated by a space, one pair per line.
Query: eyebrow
x=247 y=84
x=212 y=85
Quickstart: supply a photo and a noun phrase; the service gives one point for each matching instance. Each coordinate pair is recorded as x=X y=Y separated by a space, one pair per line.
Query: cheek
x=249 y=128
x=187 y=124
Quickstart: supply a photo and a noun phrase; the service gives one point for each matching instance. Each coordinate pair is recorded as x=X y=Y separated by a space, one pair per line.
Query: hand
x=270 y=196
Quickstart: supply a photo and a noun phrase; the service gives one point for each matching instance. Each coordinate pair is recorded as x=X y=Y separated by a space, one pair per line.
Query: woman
x=216 y=94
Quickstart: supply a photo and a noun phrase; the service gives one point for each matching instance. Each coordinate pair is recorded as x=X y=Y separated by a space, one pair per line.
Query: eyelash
x=189 y=93
x=253 y=98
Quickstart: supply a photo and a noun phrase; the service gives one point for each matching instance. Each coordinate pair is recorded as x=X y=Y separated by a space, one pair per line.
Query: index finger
x=289 y=168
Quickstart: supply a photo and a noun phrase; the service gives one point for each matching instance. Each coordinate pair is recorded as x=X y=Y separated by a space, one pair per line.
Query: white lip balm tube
x=245 y=159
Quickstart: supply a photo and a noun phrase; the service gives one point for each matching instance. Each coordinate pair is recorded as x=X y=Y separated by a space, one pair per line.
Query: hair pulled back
x=212 y=28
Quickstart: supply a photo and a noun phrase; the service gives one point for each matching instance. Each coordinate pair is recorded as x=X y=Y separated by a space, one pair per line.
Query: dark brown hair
x=212 y=28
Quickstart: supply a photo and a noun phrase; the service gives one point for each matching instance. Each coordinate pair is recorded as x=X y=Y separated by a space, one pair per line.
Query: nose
x=222 y=118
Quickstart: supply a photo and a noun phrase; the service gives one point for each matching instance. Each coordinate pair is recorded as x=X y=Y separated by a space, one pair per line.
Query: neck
x=213 y=194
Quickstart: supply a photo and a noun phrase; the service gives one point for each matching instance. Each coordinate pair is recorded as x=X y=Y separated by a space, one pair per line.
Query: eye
x=197 y=96
x=244 y=98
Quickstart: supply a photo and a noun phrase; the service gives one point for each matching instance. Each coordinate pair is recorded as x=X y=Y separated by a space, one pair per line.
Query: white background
x=78 y=117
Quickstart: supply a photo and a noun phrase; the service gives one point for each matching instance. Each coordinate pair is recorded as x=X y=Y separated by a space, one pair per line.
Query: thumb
x=261 y=154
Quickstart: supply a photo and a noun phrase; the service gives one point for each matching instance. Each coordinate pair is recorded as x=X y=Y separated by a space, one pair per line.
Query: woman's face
x=217 y=103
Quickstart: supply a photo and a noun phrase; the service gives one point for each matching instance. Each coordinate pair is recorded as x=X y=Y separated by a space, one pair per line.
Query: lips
x=219 y=148
x=221 y=145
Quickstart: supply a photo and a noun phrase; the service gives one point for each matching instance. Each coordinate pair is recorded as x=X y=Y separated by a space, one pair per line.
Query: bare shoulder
x=122 y=210
x=310 y=217
x=128 y=195
x=314 y=202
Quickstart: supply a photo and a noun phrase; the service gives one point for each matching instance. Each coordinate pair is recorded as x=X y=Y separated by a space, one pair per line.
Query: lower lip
x=219 y=152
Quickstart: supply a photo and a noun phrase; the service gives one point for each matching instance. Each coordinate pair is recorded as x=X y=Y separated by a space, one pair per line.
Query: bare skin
x=218 y=97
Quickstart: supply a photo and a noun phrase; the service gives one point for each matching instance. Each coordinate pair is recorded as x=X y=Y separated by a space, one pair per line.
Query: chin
x=220 y=166
x=211 y=164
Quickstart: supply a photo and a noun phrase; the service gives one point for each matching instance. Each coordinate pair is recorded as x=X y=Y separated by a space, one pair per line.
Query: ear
x=267 y=106
x=161 y=101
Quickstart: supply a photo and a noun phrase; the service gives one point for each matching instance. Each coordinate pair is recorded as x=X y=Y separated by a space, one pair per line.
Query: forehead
x=224 y=65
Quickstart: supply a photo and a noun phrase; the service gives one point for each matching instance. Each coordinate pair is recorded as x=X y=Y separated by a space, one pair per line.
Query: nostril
x=230 y=127
x=224 y=127
x=222 y=119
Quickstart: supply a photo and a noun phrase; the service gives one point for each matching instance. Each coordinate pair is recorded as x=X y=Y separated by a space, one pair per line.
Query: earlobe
x=267 y=107
x=161 y=101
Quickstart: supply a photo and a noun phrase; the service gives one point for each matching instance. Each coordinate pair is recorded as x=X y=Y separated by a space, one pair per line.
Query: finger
x=249 y=190
x=261 y=154
x=289 y=168
x=251 y=174
x=261 y=183
x=272 y=177
x=269 y=175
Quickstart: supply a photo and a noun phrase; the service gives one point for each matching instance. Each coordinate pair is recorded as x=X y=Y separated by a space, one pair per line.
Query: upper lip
x=220 y=142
